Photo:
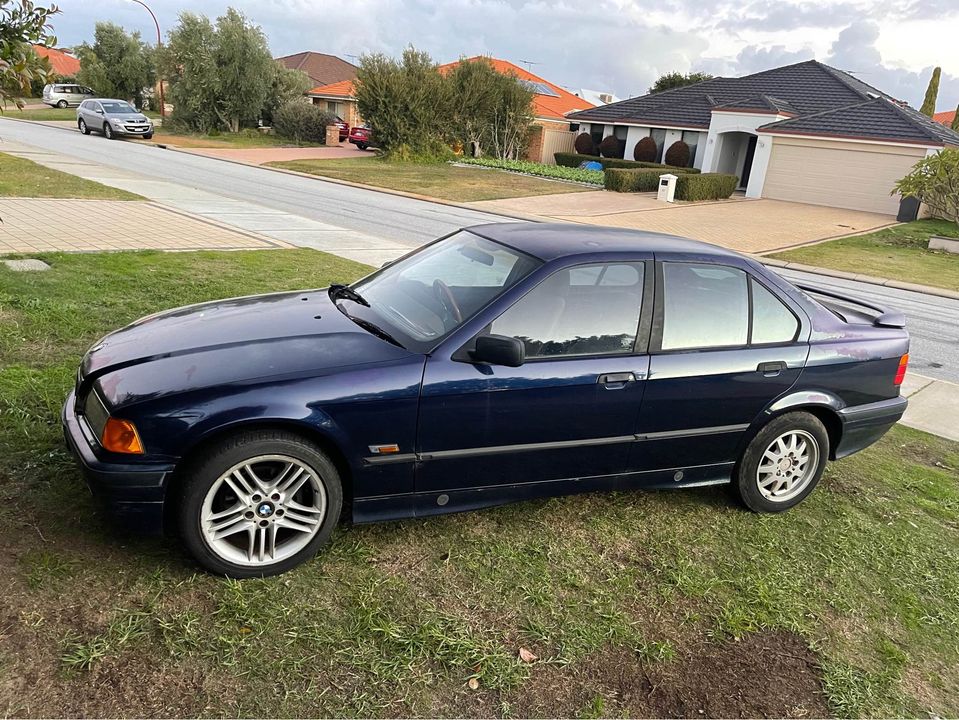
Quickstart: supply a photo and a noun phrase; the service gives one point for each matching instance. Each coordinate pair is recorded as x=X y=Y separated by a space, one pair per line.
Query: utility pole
x=159 y=43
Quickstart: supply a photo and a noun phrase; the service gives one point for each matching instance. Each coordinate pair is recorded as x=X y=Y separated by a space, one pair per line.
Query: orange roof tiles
x=62 y=63
x=343 y=89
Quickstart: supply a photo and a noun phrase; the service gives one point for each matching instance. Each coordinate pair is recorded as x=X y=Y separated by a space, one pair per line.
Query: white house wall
x=635 y=133
x=757 y=178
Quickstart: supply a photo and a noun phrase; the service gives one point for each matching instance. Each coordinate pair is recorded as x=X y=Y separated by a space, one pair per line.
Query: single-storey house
x=805 y=132
x=339 y=98
x=322 y=69
x=63 y=63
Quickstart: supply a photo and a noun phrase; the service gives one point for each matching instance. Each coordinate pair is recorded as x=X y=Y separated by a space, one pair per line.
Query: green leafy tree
x=245 y=70
x=406 y=103
x=932 y=92
x=934 y=181
x=189 y=65
x=118 y=64
x=677 y=79
x=21 y=24
x=288 y=85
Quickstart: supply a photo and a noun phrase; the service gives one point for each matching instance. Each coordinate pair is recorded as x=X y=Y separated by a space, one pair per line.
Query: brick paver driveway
x=43 y=225
x=754 y=226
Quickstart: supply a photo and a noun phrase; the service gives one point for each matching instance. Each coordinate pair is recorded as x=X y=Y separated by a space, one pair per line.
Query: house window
x=620 y=132
x=596 y=132
x=333 y=107
x=691 y=138
x=574 y=127
x=659 y=135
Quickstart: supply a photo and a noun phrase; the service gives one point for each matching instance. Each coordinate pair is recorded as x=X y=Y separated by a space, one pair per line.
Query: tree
x=676 y=79
x=220 y=76
x=22 y=24
x=405 y=102
x=932 y=92
x=476 y=86
x=118 y=64
x=934 y=181
x=288 y=85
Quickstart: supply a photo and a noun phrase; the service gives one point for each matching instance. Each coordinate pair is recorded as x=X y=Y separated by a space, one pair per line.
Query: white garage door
x=858 y=176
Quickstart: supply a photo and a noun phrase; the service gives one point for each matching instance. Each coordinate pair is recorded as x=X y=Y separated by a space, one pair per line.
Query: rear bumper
x=862 y=425
x=131 y=494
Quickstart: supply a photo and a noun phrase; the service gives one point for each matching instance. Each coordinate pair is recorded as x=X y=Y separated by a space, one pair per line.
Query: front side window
x=427 y=295
x=704 y=306
x=584 y=310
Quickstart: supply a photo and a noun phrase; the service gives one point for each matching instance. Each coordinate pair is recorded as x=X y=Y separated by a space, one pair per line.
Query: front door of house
x=748 y=163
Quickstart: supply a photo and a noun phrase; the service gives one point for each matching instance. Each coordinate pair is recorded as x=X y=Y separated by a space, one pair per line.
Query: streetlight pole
x=159 y=42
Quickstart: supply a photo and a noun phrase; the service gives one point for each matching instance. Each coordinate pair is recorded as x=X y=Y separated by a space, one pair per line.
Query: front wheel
x=108 y=131
x=783 y=463
x=83 y=127
x=148 y=136
x=259 y=504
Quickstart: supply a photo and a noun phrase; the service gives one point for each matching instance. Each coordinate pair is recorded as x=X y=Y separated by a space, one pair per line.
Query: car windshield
x=424 y=297
x=118 y=108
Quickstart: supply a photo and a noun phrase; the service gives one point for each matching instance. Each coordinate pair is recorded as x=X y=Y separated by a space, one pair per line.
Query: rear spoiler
x=885 y=318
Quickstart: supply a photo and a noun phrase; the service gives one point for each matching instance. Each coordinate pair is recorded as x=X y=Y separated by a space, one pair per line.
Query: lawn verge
x=24 y=178
x=439 y=180
x=898 y=252
x=639 y=604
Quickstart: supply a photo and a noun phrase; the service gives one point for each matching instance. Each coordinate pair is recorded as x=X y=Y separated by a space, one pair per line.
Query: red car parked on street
x=343 y=126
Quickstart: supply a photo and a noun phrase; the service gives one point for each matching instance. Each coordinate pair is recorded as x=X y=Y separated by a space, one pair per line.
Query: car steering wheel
x=443 y=292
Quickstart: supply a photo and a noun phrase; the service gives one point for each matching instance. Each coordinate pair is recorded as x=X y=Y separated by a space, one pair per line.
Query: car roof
x=549 y=241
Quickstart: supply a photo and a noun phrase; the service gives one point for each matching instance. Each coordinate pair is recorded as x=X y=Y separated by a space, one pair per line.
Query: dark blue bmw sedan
x=500 y=363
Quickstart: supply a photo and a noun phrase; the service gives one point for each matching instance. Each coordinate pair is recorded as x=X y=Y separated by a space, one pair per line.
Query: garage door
x=846 y=175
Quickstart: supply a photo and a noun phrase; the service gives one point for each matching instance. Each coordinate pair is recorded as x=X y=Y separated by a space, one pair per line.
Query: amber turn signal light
x=120 y=436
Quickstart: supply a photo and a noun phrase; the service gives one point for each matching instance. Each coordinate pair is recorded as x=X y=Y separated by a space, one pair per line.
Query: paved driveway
x=747 y=225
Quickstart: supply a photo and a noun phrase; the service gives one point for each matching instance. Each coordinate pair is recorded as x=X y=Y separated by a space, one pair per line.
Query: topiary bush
x=677 y=154
x=301 y=121
x=584 y=145
x=705 y=186
x=645 y=150
x=611 y=147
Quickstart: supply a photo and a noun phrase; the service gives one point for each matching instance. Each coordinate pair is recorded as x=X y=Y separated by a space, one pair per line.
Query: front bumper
x=862 y=425
x=132 y=494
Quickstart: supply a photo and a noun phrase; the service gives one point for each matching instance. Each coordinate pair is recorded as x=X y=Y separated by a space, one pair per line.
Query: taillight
x=901 y=372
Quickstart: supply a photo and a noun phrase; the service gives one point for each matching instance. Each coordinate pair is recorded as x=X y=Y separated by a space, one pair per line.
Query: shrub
x=639 y=180
x=934 y=180
x=645 y=150
x=574 y=160
x=647 y=180
x=611 y=147
x=300 y=121
x=558 y=172
x=705 y=186
x=583 y=144
x=677 y=154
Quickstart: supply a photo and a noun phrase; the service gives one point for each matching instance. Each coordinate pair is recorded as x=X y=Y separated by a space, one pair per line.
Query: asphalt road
x=933 y=322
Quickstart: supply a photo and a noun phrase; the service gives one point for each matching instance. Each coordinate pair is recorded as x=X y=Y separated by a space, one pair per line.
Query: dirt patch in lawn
x=772 y=674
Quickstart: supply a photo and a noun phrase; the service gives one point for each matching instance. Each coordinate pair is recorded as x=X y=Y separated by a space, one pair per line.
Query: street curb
x=871 y=279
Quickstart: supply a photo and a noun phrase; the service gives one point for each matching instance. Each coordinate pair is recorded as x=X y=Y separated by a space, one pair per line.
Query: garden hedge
x=689 y=186
x=575 y=159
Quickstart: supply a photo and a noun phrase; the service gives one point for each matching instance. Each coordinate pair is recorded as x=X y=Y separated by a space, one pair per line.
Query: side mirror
x=99 y=111
x=499 y=350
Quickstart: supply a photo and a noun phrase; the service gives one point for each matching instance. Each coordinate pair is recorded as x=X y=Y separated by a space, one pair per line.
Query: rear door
x=723 y=346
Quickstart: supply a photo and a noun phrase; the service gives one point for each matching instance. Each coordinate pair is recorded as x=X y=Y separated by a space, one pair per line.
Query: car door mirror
x=499 y=350
x=98 y=111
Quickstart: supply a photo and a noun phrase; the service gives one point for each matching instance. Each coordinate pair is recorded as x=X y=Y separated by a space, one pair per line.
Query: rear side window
x=704 y=306
x=772 y=321
x=708 y=306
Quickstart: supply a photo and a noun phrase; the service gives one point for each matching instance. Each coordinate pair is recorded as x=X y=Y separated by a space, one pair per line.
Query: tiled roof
x=322 y=69
x=544 y=106
x=62 y=63
x=342 y=89
x=826 y=101
x=874 y=119
x=945 y=118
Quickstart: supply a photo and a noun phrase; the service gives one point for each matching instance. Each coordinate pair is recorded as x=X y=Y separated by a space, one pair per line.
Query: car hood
x=232 y=340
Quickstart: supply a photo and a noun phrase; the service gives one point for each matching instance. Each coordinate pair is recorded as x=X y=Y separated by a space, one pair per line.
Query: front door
x=723 y=348
x=748 y=161
x=567 y=413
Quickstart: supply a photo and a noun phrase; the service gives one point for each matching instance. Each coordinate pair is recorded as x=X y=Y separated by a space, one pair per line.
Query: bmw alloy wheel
x=263 y=510
x=787 y=466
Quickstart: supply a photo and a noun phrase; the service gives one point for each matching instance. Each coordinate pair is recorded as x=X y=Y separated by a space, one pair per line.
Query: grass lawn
x=439 y=180
x=636 y=604
x=898 y=252
x=25 y=178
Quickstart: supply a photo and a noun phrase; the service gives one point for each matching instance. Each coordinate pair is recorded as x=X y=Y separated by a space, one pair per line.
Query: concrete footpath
x=933 y=406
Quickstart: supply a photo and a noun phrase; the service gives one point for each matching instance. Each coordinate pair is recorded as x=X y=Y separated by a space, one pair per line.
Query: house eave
x=863 y=138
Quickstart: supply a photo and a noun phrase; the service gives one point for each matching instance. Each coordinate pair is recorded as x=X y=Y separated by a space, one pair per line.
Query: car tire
x=62 y=104
x=148 y=136
x=782 y=464
x=82 y=126
x=108 y=131
x=210 y=504
x=361 y=146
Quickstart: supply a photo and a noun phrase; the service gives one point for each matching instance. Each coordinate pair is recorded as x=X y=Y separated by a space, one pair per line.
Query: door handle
x=771 y=369
x=616 y=380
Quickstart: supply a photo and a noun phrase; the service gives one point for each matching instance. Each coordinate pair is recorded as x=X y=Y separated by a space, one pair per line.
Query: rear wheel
x=783 y=463
x=83 y=127
x=62 y=104
x=108 y=131
x=361 y=146
x=259 y=504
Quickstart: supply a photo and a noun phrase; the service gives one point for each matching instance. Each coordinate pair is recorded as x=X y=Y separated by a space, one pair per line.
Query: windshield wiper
x=347 y=293
x=375 y=330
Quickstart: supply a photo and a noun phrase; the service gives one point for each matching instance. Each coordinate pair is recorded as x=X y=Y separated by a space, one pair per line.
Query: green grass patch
x=899 y=252
x=24 y=178
x=439 y=180
x=397 y=619
x=248 y=138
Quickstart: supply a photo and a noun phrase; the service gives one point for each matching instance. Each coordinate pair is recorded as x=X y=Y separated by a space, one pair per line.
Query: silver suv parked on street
x=62 y=95
x=113 y=118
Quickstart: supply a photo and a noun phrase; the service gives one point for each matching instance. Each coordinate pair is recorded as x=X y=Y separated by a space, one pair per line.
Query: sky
x=607 y=45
